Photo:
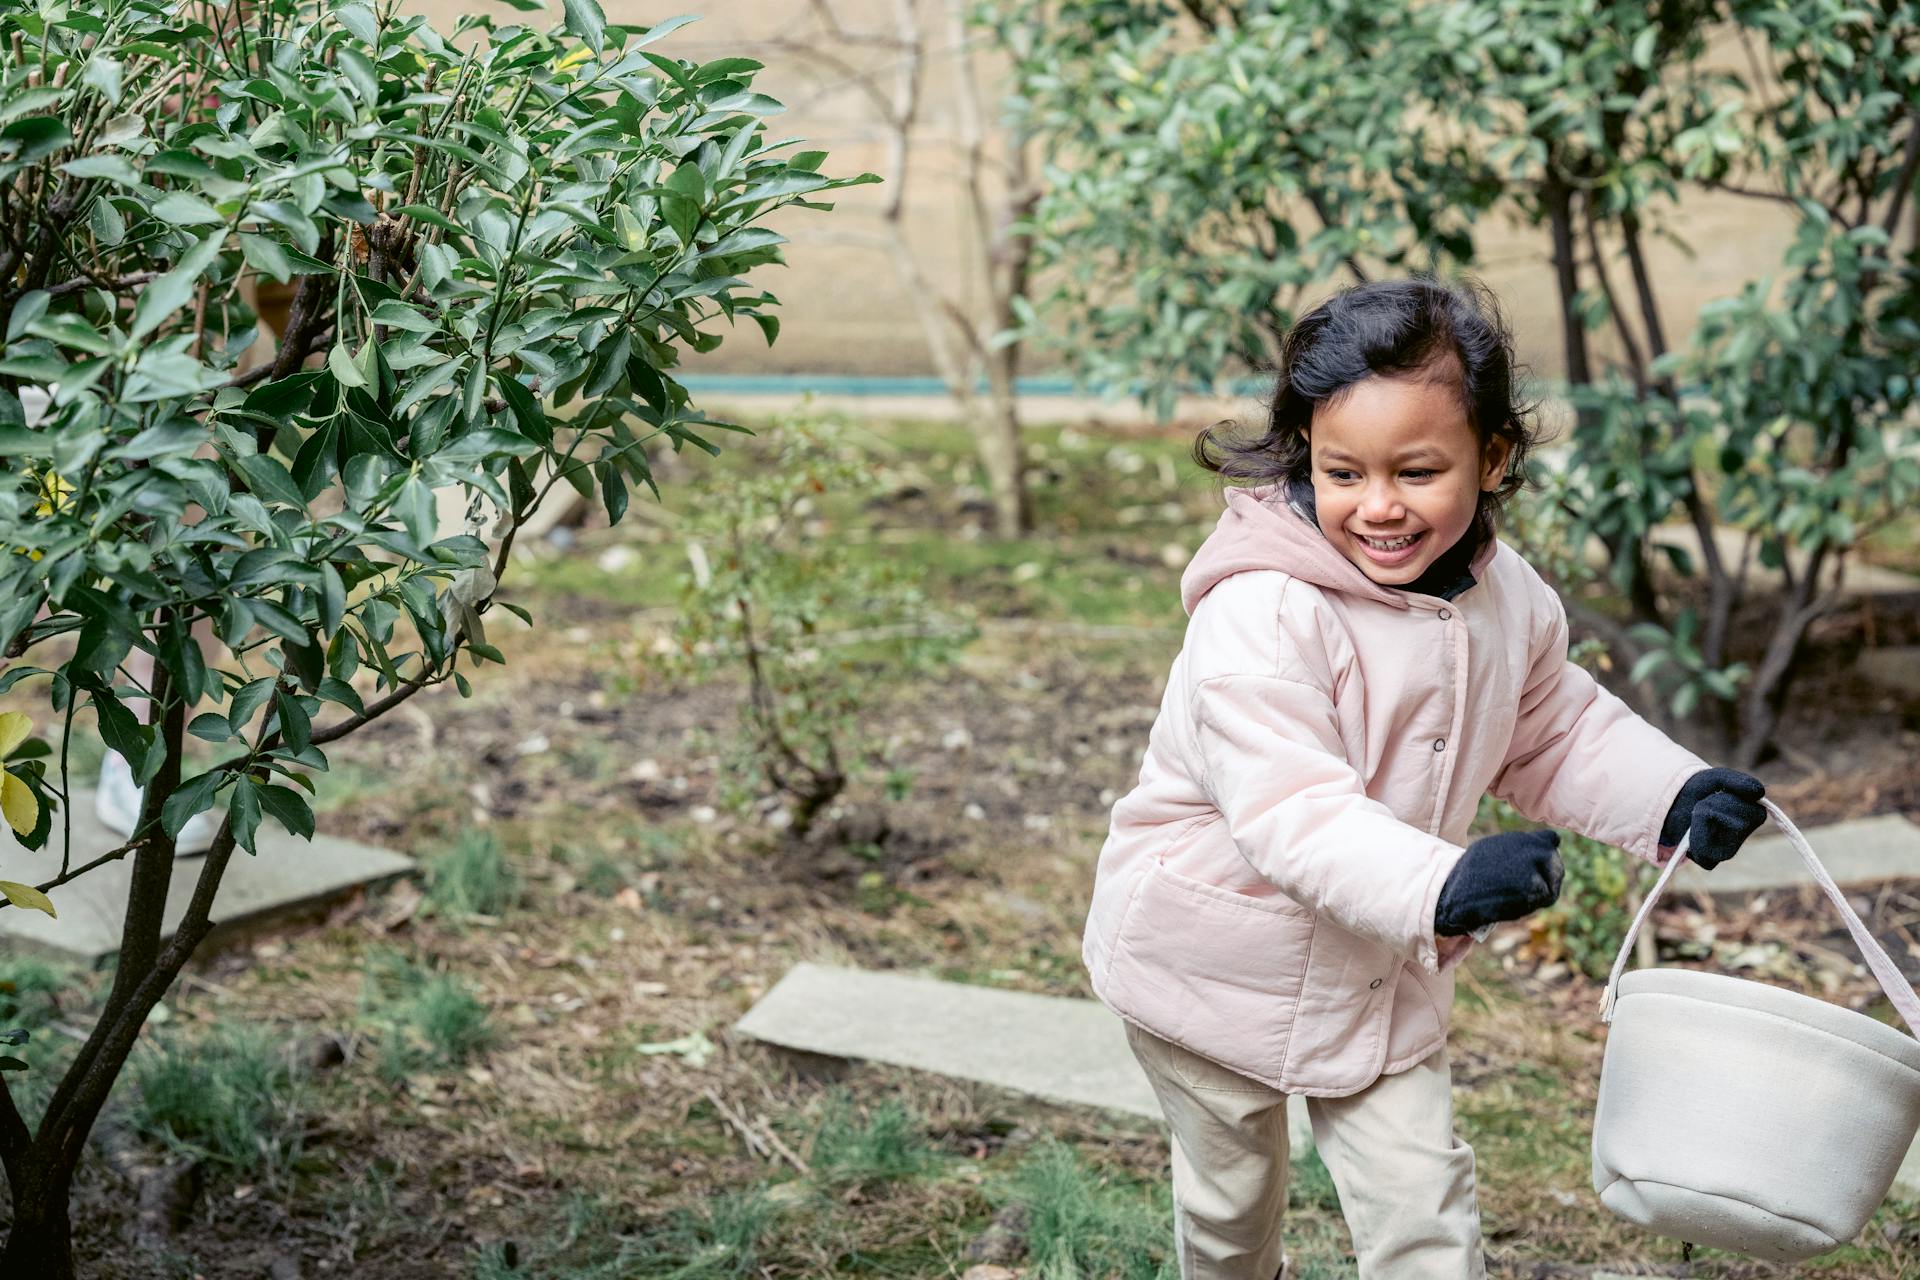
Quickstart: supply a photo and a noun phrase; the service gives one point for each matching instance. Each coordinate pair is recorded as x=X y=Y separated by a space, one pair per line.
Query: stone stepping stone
x=1863 y=851
x=287 y=875
x=1052 y=1047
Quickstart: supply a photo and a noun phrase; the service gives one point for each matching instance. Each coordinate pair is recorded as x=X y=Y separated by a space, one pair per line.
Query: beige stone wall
x=843 y=307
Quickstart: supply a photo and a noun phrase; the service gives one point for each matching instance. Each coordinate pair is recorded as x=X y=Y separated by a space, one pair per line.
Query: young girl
x=1283 y=895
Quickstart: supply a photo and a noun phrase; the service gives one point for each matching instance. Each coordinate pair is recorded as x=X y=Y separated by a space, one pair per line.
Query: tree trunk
x=1767 y=696
x=998 y=440
x=1557 y=196
x=40 y=1243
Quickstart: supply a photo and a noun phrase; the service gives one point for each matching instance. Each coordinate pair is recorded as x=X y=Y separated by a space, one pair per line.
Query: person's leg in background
x=1229 y=1137
x=1406 y=1183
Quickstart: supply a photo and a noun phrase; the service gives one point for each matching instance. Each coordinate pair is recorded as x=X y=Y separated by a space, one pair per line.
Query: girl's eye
x=1338 y=474
x=1417 y=473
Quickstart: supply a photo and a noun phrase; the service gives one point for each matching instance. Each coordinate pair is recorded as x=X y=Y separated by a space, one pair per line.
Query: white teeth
x=1395 y=545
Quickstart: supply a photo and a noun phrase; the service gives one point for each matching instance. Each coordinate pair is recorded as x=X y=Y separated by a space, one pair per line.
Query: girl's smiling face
x=1395 y=458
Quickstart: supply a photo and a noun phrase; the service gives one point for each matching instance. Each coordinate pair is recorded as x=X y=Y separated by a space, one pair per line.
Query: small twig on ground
x=756 y=1145
x=766 y=1127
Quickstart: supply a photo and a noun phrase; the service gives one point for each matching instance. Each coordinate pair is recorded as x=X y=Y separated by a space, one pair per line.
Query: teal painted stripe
x=794 y=384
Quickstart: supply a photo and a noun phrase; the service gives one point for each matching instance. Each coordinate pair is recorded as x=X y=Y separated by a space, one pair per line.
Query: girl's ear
x=1495 y=466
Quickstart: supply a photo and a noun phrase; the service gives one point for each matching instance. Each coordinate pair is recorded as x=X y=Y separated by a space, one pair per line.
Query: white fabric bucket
x=1748 y=1117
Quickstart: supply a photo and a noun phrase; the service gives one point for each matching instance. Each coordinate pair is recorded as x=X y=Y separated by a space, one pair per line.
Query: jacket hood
x=1259 y=530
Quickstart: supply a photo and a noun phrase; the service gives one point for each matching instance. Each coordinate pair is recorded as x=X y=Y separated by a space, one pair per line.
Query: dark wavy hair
x=1449 y=330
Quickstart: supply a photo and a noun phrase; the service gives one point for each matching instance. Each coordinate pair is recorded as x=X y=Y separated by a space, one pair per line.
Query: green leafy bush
x=778 y=596
x=496 y=244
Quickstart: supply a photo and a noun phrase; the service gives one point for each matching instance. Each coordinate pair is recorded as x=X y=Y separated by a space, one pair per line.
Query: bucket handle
x=1884 y=970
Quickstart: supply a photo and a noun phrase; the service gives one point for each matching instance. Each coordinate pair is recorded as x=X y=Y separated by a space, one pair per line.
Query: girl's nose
x=1381 y=505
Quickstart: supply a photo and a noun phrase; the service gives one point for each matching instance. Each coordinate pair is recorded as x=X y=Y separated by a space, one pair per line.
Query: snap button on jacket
x=1318 y=757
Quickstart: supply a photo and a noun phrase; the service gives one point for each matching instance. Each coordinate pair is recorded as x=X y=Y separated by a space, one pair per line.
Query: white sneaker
x=117 y=804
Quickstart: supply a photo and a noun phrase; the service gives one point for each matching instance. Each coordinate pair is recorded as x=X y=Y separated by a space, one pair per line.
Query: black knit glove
x=1717 y=809
x=1499 y=877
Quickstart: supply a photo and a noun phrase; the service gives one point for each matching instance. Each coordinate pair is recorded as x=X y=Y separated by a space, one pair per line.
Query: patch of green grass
x=728 y=1235
x=426 y=1020
x=640 y=584
x=227 y=1096
x=1310 y=1185
x=31 y=990
x=451 y=1020
x=1080 y=1224
x=472 y=878
x=33 y=993
x=583 y=1249
x=885 y=1144
x=603 y=875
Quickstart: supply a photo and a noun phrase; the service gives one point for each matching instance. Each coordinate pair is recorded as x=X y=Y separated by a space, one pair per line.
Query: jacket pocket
x=1213 y=971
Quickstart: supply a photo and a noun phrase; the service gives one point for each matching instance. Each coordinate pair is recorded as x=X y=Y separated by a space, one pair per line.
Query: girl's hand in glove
x=1717 y=809
x=1500 y=877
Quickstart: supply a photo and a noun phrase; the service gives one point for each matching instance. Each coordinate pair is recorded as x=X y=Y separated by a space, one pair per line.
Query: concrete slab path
x=1063 y=1050
x=1863 y=851
x=1060 y=1049
x=286 y=874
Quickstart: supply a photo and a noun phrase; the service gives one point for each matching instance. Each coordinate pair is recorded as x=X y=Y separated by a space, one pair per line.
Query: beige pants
x=1405 y=1181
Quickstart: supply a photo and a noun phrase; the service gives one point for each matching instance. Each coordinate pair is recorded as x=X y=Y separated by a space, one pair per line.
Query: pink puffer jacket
x=1265 y=895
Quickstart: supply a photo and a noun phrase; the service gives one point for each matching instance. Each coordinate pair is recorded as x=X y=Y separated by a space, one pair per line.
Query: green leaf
x=585 y=19
x=243 y=813
x=1643 y=47
x=103 y=74
x=614 y=490
x=295 y=727
x=106 y=637
x=119 y=727
x=263 y=254
x=359 y=20
x=34 y=137
x=431 y=216
x=163 y=297
x=247 y=699
x=333 y=600
x=665 y=27
x=29 y=307
x=270 y=481
x=340 y=363
x=211 y=726
x=194 y=796
x=1648 y=664
x=288 y=808
x=115 y=169
x=401 y=316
